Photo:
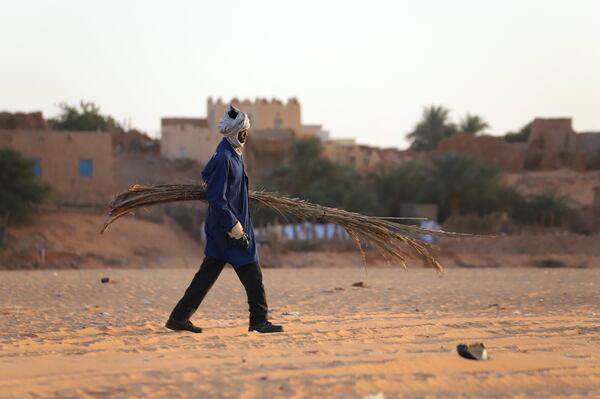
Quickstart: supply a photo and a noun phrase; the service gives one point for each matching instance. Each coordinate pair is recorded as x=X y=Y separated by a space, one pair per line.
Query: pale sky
x=363 y=69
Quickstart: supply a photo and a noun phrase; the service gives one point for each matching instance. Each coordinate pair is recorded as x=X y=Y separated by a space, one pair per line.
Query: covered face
x=242 y=134
x=234 y=125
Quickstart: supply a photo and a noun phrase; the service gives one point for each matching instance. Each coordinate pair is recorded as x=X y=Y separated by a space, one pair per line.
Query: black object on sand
x=474 y=351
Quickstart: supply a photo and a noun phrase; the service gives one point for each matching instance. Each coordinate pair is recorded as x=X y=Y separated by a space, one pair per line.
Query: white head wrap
x=231 y=123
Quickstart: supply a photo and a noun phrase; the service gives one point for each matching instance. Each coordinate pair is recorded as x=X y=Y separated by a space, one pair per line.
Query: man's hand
x=238 y=236
x=242 y=242
x=237 y=231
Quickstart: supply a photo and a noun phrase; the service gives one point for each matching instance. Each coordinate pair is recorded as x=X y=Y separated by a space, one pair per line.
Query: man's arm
x=216 y=192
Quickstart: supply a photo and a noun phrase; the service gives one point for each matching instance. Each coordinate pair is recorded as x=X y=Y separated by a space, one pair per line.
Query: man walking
x=229 y=234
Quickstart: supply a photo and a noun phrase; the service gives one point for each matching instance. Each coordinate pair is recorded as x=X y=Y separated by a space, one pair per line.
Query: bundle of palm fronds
x=391 y=238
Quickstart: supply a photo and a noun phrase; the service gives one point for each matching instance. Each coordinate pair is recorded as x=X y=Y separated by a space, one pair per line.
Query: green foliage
x=460 y=183
x=433 y=127
x=86 y=118
x=316 y=179
x=472 y=124
x=548 y=209
x=507 y=199
x=457 y=183
x=18 y=185
x=406 y=184
x=520 y=136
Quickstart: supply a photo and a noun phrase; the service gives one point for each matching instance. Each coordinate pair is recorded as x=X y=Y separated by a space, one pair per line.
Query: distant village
x=88 y=168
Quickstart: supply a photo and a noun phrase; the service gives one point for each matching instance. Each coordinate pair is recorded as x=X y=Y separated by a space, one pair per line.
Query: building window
x=37 y=166
x=86 y=167
x=278 y=123
x=181 y=152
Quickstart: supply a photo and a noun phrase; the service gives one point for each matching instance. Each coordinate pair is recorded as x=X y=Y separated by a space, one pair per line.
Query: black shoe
x=265 y=327
x=182 y=325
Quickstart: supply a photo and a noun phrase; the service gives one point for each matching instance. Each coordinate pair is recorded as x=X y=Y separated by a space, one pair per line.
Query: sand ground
x=64 y=334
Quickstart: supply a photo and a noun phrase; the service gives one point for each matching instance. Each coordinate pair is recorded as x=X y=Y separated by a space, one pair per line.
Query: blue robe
x=227 y=194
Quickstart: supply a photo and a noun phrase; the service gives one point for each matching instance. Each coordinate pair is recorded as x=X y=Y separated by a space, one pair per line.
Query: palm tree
x=407 y=183
x=433 y=127
x=473 y=124
x=310 y=176
x=462 y=183
x=550 y=208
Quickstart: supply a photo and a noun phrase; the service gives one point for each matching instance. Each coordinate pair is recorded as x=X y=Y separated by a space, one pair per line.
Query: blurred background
x=478 y=117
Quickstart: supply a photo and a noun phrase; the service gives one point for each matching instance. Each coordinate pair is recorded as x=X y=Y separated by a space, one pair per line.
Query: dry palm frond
x=391 y=238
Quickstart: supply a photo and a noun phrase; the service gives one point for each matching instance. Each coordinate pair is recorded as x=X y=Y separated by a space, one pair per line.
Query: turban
x=231 y=123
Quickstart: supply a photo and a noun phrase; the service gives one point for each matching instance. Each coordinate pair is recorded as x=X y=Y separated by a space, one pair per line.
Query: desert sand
x=64 y=334
x=71 y=240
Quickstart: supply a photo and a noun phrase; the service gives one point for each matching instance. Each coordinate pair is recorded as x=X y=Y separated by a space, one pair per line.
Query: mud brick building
x=494 y=150
x=552 y=145
x=196 y=138
x=78 y=166
x=187 y=138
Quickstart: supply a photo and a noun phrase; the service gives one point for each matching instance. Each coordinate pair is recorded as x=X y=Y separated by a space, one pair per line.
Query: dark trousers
x=250 y=275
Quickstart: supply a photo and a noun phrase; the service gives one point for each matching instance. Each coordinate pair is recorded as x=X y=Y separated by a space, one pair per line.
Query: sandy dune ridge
x=64 y=334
